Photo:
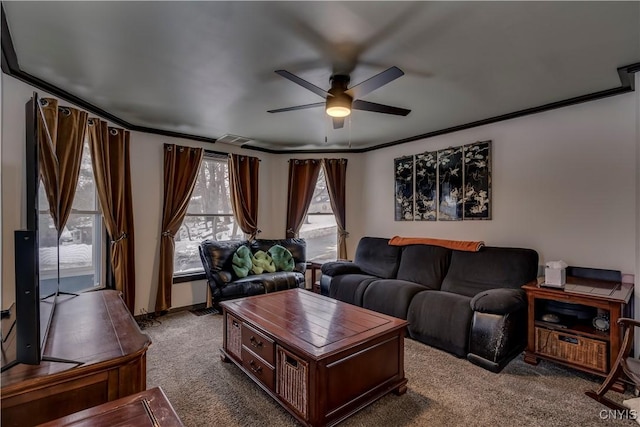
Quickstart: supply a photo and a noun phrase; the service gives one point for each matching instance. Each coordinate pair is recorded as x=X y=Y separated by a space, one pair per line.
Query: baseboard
x=171 y=310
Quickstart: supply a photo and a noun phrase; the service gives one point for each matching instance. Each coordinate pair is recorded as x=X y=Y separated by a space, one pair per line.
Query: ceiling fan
x=340 y=100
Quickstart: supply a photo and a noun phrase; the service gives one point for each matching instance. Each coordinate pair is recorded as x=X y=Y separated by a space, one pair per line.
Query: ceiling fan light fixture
x=339 y=106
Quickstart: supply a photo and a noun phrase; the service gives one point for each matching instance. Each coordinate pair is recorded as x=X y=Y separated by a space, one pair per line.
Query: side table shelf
x=575 y=343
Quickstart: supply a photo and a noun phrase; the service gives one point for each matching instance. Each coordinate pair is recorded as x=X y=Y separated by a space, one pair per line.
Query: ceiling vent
x=236 y=140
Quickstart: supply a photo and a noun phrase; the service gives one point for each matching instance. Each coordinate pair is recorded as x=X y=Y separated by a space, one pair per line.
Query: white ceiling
x=207 y=68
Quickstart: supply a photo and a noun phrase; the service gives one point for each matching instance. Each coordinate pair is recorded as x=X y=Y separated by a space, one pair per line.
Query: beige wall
x=147 y=178
x=564 y=184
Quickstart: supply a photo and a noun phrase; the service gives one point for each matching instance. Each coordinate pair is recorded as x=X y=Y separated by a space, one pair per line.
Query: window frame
x=201 y=275
x=321 y=213
x=101 y=253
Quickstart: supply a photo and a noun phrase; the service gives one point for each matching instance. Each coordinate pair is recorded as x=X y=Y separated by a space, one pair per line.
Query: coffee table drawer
x=260 y=369
x=258 y=343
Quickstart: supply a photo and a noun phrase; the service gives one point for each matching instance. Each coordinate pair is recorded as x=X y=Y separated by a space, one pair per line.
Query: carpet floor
x=442 y=390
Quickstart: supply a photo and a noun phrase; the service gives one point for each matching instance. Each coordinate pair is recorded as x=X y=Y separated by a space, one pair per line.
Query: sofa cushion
x=297 y=247
x=374 y=256
x=273 y=282
x=282 y=258
x=491 y=267
x=242 y=261
x=350 y=287
x=499 y=301
x=218 y=256
x=424 y=264
x=441 y=319
x=390 y=296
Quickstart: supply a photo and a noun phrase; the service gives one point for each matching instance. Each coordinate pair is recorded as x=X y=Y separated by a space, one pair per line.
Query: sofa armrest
x=337 y=268
x=499 y=301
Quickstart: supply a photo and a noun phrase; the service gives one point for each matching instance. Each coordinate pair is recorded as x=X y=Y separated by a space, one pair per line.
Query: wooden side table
x=314 y=267
x=150 y=407
x=577 y=344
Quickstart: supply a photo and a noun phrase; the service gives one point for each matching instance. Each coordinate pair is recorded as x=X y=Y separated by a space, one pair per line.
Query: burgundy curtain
x=243 y=183
x=335 y=172
x=111 y=168
x=181 y=166
x=303 y=175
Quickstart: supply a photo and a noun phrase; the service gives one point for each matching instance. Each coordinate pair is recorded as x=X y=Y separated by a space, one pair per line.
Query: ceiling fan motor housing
x=340 y=99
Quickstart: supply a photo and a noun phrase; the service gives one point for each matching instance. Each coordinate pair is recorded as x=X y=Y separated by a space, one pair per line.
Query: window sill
x=190 y=277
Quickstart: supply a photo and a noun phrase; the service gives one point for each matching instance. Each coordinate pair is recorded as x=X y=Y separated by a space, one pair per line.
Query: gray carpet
x=443 y=390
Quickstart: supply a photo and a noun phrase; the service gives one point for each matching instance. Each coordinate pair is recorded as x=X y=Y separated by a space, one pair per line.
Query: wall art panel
x=477 y=180
x=426 y=195
x=450 y=184
x=404 y=188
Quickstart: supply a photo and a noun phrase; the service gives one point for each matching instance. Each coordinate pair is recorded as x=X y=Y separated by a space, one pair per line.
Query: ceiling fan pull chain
x=349 y=131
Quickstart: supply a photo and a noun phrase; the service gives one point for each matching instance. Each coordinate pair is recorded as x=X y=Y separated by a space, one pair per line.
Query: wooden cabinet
x=575 y=343
x=94 y=329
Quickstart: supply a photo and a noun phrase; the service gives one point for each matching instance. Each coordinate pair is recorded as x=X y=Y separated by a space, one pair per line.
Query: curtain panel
x=62 y=156
x=181 y=165
x=111 y=168
x=303 y=175
x=335 y=172
x=243 y=183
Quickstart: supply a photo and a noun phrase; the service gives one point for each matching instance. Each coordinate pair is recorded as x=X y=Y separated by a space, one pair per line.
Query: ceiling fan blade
x=359 y=104
x=298 y=107
x=375 y=82
x=305 y=84
x=338 y=122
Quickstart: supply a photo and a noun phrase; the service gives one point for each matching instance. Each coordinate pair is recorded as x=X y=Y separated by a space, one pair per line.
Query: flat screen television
x=33 y=311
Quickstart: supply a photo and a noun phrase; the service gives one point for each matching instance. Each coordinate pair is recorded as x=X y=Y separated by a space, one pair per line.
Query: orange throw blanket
x=458 y=245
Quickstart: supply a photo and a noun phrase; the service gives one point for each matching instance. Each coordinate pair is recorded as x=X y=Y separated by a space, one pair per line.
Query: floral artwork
x=404 y=188
x=426 y=186
x=450 y=184
x=477 y=180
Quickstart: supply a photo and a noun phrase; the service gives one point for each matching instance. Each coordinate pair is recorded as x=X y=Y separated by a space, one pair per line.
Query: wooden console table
x=147 y=408
x=94 y=329
x=576 y=344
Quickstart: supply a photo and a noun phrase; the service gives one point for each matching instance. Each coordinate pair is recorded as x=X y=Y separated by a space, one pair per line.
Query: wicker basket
x=293 y=380
x=578 y=350
x=234 y=336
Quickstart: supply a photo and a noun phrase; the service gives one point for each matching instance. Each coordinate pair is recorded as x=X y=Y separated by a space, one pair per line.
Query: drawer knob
x=255 y=367
x=255 y=342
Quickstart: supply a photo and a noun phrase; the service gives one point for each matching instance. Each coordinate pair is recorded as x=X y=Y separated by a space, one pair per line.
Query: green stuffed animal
x=262 y=263
x=282 y=258
x=241 y=262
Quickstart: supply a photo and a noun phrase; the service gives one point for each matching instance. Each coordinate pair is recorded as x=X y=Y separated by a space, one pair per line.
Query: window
x=209 y=215
x=319 y=228
x=79 y=248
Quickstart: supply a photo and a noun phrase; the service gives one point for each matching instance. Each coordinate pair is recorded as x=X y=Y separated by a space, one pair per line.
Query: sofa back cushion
x=490 y=268
x=297 y=247
x=424 y=264
x=374 y=256
x=218 y=256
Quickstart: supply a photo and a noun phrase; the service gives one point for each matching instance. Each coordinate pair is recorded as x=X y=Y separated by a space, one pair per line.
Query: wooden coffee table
x=320 y=358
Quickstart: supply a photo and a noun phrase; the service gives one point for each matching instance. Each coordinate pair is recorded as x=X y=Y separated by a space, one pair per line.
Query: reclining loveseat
x=223 y=281
x=468 y=303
